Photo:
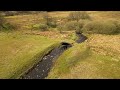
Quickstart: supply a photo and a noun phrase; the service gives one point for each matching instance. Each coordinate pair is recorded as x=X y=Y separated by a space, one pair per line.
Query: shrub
x=118 y=27
x=117 y=24
x=4 y=25
x=52 y=24
x=7 y=26
x=100 y=27
x=77 y=15
x=1 y=20
x=60 y=28
x=42 y=27
x=81 y=24
x=50 y=21
x=72 y=25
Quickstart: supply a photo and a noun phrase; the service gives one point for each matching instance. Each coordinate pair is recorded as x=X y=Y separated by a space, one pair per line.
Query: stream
x=81 y=37
x=42 y=68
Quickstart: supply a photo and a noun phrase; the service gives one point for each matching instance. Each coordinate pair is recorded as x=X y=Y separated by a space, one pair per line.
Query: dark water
x=81 y=38
x=41 y=70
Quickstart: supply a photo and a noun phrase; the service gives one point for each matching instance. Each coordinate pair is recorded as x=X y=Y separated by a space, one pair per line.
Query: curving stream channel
x=81 y=37
x=41 y=70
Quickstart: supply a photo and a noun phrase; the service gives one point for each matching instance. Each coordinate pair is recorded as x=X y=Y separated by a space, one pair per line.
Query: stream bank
x=42 y=68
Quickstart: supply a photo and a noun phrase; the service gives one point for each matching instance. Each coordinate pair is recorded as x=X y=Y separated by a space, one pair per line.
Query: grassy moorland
x=97 y=57
x=19 y=52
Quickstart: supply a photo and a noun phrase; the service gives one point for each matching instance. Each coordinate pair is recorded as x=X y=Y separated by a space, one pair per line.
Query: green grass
x=96 y=58
x=68 y=59
x=19 y=52
x=100 y=27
